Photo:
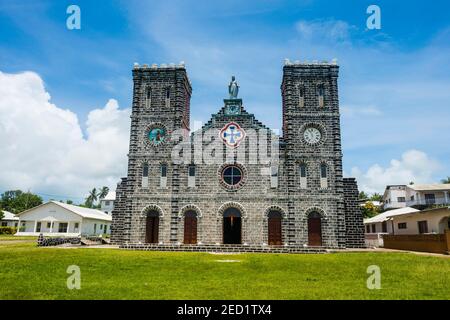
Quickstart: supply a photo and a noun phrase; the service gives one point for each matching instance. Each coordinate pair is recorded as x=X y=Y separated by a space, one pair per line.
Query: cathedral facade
x=234 y=181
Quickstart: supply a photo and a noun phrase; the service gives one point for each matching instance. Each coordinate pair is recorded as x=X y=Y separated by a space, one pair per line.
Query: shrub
x=8 y=230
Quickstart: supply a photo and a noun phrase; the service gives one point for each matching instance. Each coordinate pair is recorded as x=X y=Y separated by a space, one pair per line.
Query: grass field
x=28 y=272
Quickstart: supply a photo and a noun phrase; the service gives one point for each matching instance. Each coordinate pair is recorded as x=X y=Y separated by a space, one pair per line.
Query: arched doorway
x=444 y=224
x=190 y=227
x=232 y=226
x=274 y=228
x=152 y=227
x=314 y=229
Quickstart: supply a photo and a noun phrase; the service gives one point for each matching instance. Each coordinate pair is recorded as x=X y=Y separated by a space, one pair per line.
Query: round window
x=232 y=175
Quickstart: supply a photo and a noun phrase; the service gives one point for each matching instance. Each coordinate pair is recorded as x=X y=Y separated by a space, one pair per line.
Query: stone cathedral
x=234 y=183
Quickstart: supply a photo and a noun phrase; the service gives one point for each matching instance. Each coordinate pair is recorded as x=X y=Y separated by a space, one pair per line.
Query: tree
x=69 y=201
x=363 y=195
x=1 y=214
x=369 y=210
x=90 y=200
x=16 y=201
x=103 y=192
x=376 y=197
x=446 y=180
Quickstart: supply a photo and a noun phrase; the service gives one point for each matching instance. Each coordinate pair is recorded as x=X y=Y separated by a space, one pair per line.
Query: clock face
x=312 y=135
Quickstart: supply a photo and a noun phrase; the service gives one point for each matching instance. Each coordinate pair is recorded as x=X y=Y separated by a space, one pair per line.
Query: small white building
x=107 y=203
x=394 y=197
x=382 y=223
x=9 y=220
x=428 y=194
x=60 y=219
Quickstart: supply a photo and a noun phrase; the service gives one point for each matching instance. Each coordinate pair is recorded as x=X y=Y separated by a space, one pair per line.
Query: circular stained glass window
x=232 y=175
x=157 y=136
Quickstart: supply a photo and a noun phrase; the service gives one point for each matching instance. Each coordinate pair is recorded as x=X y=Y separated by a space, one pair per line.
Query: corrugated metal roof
x=386 y=215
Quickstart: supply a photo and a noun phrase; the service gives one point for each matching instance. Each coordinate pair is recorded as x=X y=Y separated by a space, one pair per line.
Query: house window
x=4 y=224
x=62 y=227
x=401 y=199
x=49 y=224
x=303 y=179
x=368 y=229
x=374 y=230
x=95 y=228
x=430 y=198
x=77 y=225
x=412 y=198
x=423 y=226
x=145 y=176
x=384 y=227
x=107 y=203
x=38 y=227
x=402 y=225
x=323 y=176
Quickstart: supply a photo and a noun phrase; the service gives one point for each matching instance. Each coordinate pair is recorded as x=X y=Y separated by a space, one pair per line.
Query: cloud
x=43 y=147
x=414 y=165
x=324 y=30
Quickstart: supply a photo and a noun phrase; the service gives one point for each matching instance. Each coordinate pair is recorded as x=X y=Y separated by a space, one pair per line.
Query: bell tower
x=311 y=132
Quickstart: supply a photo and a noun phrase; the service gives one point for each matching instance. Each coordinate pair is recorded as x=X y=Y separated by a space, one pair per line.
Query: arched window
x=301 y=94
x=145 y=175
x=191 y=176
x=303 y=177
x=323 y=176
x=167 y=96
x=274 y=177
x=163 y=179
x=148 y=97
x=321 y=93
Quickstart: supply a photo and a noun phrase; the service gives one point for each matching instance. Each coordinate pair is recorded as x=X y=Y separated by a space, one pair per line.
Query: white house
x=394 y=197
x=433 y=221
x=9 y=220
x=60 y=219
x=107 y=203
x=382 y=223
x=427 y=194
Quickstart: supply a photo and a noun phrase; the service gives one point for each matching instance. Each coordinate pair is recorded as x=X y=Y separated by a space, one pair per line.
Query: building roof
x=430 y=187
x=9 y=216
x=375 y=203
x=111 y=196
x=82 y=212
x=390 y=213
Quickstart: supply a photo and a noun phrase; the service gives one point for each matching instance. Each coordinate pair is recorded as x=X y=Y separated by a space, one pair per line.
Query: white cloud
x=324 y=30
x=43 y=148
x=414 y=166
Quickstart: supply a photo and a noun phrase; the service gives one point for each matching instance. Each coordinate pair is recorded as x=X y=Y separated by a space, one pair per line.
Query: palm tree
x=103 y=192
x=93 y=196
x=447 y=180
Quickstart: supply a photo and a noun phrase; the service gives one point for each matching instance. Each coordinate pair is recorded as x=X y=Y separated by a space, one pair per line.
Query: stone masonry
x=297 y=179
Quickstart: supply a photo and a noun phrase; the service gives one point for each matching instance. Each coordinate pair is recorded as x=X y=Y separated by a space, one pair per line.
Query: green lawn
x=27 y=272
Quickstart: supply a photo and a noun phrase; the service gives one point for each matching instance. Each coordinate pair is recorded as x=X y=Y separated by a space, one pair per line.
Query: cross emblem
x=232 y=134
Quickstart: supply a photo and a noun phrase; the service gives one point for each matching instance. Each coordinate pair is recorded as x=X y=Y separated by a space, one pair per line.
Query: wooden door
x=152 y=229
x=274 y=224
x=190 y=230
x=314 y=231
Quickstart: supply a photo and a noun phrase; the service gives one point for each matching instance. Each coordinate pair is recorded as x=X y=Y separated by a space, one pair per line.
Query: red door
x=151 y=235
x=274 y=231
x=190 y=230
x=314 y=231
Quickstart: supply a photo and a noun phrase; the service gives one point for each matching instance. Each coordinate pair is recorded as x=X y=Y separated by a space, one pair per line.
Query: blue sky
x=394 y=82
